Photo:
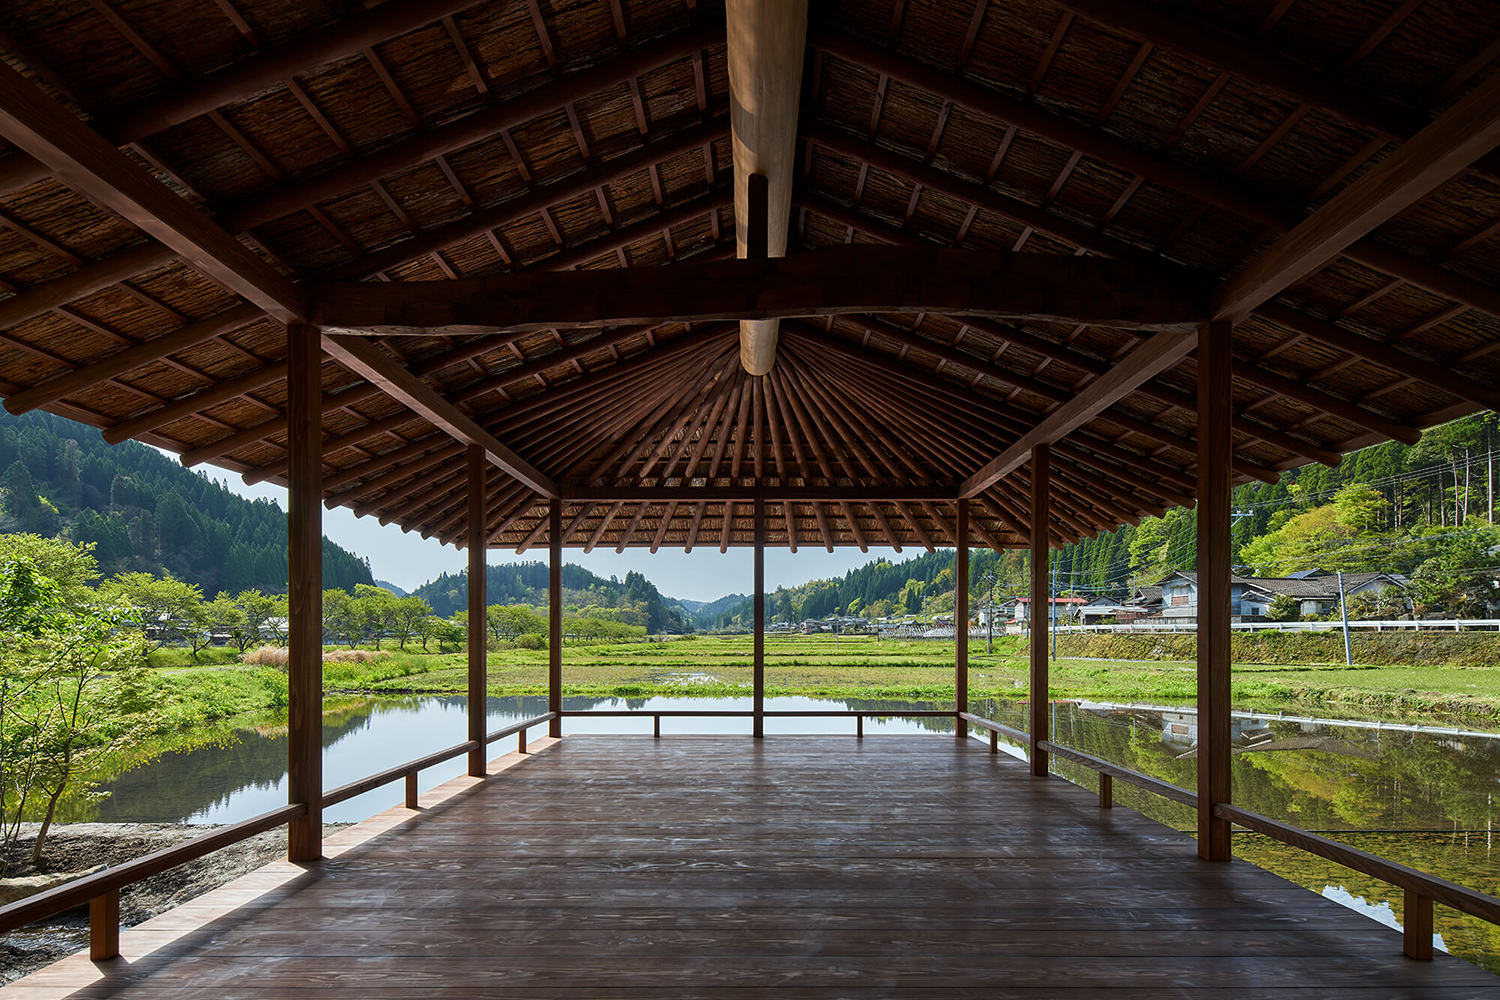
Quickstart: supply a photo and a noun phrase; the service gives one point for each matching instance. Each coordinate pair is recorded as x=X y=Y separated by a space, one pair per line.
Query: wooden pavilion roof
x=436 y=140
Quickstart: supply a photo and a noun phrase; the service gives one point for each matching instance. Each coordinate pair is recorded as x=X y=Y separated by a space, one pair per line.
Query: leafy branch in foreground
x=73 y=693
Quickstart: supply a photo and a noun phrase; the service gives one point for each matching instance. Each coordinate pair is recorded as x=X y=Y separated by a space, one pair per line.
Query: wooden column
x=478 y=545
x=1215 y=450
x=1041 y=485
x=759 y=509
x=961 y=622
x=554 y=615
x=304 y=530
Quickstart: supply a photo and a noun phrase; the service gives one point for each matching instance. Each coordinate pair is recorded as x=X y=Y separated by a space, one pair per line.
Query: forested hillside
x=1426 y=511
x=145 y=512
x=633 y=601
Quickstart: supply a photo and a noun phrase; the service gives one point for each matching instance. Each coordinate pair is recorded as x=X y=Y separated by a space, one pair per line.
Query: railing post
x=412 y=794
x=478 y=582
x=1041 y=476
x=304 y=590
x=656 y=727
x=859 y=727
x=1106 y=791
x=961 y=622
x=994 y=742
x=1416 y=926
x=104 y=926
x=759 y=725
x=521 y=741
x=554 y=618
x=1215 y=451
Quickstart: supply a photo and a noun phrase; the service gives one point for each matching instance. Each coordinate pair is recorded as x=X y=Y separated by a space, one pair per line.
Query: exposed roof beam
x=766 y=40
x=251 y=75
x=472 y=128
x=741 y=493
x=1227 y=193
x=1148 y=359
x=831 y=281
x=88 y=163
x=1413 y=171
x=1251 y=62
x=364 y=358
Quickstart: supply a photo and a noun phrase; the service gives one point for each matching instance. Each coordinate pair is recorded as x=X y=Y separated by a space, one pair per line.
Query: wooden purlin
x=51 y=294
x=1151 y=165
x=97 y=170
x=1069 y=231
x=248 y=76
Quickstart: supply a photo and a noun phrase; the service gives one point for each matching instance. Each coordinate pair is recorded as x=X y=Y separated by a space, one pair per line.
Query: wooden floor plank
x=793 y=867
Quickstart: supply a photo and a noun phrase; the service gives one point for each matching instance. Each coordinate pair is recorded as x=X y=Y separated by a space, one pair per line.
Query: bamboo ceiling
x=442 y=139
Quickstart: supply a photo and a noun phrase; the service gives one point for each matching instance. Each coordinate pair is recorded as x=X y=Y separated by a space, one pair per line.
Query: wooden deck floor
x=794 y=867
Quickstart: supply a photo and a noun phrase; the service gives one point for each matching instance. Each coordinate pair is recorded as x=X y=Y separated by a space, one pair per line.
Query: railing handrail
x=1165 y=789
x=1019 y=735
x=737 y=713
x=1420 y=883
x=82 y=890
x=1470 y=901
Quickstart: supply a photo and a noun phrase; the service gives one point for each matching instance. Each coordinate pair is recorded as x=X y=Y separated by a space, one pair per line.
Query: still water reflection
x=1419 y=793
x=246 y=775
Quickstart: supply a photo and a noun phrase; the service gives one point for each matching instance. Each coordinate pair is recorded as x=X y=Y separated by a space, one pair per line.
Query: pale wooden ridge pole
x=1041 y=484
x=767 y=39
x=961 y=622
x=305 y=591
x=478 y=545
x=758 y=507
x=1215 y=403
x=554 y=615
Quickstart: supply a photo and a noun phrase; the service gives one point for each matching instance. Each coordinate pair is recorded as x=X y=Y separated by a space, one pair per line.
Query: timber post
x=304 y=590
x=759 y=509
x=1041 y=476
x=478 y=604
x=961 y=623
x=1215 y=449
x=554 y=617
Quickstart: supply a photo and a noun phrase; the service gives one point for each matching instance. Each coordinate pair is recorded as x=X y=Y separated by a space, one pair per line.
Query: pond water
x=1422 y=793
x=246 y=774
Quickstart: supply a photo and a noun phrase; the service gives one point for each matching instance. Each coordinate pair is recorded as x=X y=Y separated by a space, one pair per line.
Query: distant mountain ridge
x=145 y=512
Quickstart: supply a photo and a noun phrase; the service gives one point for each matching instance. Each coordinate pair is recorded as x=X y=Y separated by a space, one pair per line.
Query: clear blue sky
x=409 y=560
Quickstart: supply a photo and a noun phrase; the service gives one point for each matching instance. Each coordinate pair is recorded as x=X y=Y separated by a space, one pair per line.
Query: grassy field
x=822 y=666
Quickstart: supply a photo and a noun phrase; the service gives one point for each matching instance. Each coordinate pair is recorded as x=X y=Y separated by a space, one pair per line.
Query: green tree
x=21 y=500
x=225 y=616
x=73 y=692
x=169 y=611
x=408 y=615
x=1283 y=608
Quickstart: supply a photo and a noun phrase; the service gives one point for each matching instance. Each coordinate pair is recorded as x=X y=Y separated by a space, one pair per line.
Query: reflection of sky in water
x=1375 y=911
x=394 y=732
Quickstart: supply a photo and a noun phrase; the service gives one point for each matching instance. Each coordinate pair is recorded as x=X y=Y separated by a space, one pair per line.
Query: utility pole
x=1344 y=607
x=1052 y=605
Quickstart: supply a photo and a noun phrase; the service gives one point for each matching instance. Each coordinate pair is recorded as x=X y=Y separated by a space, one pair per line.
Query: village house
x=1250 y=597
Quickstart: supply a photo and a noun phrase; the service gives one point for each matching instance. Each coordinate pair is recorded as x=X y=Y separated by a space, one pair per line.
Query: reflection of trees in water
x=1388 y=780
x=1466 y=858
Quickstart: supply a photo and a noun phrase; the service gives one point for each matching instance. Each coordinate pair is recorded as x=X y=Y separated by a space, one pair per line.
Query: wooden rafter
x=397 y=382
x=86 y=162
x=1442 y=150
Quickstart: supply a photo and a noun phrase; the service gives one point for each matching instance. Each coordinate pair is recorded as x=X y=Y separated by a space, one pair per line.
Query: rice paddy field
x=844 y=666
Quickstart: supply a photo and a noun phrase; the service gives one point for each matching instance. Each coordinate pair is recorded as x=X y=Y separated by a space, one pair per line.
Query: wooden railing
x=101 y=890
x=858 y=715
x=1420 y=890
